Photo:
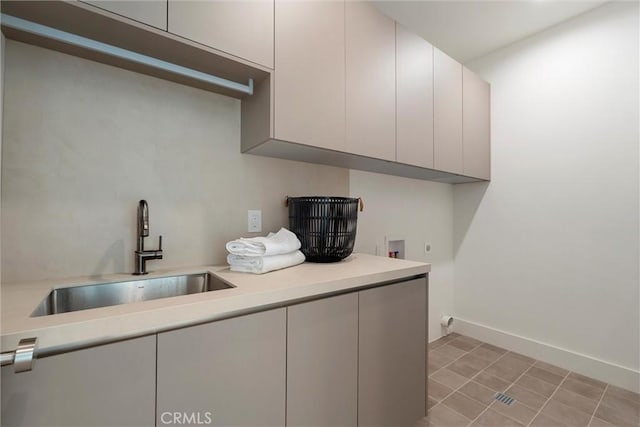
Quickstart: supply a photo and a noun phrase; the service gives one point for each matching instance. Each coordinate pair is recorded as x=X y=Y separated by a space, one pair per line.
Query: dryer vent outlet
x=446 y=322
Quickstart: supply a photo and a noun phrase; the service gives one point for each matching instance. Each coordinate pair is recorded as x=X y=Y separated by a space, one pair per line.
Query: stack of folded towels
x=263 y=254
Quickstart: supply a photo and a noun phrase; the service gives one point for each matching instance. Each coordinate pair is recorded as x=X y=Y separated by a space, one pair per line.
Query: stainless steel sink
x=63 y=300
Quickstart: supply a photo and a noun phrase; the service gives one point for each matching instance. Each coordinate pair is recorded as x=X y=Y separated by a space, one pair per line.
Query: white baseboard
x=586 y=365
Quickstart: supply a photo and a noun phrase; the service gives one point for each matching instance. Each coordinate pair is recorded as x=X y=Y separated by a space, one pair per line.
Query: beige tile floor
x=465 y=374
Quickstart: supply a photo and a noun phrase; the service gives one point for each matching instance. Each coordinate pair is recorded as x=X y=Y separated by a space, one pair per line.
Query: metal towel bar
x=22 y=357
x=96 y=46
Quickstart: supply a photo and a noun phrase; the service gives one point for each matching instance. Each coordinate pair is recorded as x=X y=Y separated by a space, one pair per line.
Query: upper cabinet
x=243 y=28
x=309 y=85
x=351 y=88
x=414 y=99
x=370 y=81
x=150 y=12
x=476 y=118
x=333 y=82
x=447 y=114
x=334 y=85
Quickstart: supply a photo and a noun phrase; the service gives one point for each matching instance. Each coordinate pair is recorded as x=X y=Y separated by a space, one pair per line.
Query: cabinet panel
x=309 y=73
x=151 y=12
x=109 y=385
x=447 y=117
x=243 y=28
x=392 y=354
x=322 y=362
x=414 y=98
x=370 y=81
x=232 y=369
x=476 y=107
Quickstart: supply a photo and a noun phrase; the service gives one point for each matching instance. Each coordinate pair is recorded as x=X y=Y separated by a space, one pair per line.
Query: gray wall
x=83 y=142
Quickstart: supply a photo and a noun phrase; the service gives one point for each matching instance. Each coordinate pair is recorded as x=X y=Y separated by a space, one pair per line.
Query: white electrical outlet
x=254 y=219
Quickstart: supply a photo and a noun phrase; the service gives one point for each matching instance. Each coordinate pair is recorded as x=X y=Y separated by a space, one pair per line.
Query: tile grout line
x=463 y=384
x=474 y=376
x=444 y=343
x=541 y=380
x=481 y=413
x=510 y=385
x=566 y=376
x=454 y=360
x=606 y=387
x=469 y=380
x=550 y=397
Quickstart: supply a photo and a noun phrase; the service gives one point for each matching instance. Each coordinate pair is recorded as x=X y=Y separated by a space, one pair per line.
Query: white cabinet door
x=150 y=12
x=370 y=81
x=447 y=117
x=414 y=99
x=108 y=385
x=322 y=362
x=309 y=73
x=231 y=372
x=243 y=28
x=392 y=354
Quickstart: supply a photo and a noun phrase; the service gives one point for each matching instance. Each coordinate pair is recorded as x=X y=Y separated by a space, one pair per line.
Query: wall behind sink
x=83 y=142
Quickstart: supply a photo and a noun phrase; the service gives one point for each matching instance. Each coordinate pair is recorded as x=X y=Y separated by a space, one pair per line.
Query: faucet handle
x=160 y=244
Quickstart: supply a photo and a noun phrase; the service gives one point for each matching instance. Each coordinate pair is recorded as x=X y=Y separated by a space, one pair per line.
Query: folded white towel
x=264 y=264
x=282 y=242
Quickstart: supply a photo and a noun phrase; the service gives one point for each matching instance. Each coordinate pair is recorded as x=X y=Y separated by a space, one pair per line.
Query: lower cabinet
x=226 y=373
x=322 y=362
x=359 y=358
x=109 y=385
x=392 y=354
x=347 y=360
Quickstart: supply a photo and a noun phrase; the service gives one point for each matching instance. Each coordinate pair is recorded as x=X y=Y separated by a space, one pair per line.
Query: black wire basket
x=326 y=226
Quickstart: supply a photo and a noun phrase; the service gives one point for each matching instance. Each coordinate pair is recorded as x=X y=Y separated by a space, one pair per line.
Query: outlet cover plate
x=254 y=221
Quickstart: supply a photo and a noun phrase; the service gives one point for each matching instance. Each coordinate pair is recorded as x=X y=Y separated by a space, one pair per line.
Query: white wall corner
x=548 y=251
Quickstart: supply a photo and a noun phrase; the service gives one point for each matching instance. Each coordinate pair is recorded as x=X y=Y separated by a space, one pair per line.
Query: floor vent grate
x=507 y=400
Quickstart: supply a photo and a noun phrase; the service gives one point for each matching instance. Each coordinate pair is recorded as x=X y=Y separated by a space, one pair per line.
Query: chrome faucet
x=142 y=256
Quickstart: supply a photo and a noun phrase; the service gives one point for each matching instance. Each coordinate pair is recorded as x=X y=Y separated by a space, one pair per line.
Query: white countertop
x=252 y=292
